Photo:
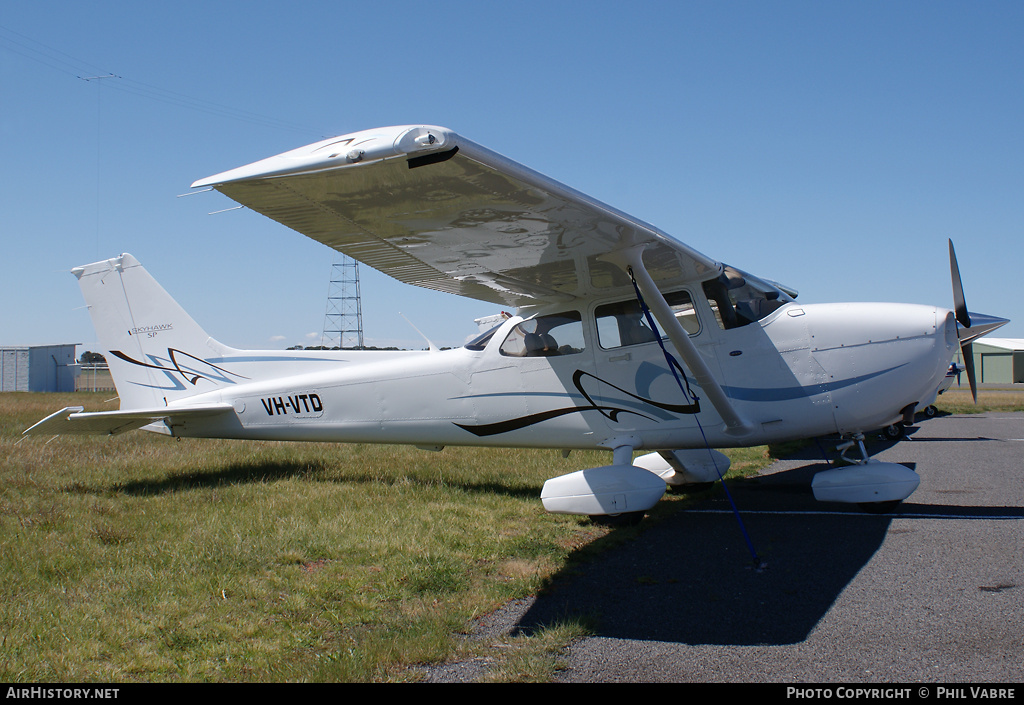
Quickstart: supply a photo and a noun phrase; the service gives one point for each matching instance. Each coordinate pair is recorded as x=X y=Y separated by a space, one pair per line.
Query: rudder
x=153 y=347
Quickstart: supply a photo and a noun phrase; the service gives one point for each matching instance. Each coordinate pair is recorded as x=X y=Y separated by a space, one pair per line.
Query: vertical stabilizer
x=153 y=347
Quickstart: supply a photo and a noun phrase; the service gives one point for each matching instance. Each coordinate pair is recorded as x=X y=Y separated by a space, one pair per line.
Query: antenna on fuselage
x=430 y=345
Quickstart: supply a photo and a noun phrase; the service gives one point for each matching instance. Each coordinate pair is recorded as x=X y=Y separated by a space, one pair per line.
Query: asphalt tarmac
x=802 y=591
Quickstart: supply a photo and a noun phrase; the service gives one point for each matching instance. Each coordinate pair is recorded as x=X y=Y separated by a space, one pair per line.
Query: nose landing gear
x=875 y=486
x=894 y=432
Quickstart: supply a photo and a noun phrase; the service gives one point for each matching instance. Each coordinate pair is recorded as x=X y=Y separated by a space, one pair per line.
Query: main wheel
x=879 y=507
x=691 y=487
x=624 y=519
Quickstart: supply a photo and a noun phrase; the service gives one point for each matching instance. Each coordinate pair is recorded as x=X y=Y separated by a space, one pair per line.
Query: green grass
x=144 y=558
x=959 y=401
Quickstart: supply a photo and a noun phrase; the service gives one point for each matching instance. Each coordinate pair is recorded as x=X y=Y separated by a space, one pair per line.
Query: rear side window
x=544 y=336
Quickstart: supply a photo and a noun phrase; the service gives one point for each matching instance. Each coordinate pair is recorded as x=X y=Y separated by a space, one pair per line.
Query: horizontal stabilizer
x=72 y=420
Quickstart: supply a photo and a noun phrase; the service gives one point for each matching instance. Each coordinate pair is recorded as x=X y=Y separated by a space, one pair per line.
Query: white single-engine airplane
x=625 y=339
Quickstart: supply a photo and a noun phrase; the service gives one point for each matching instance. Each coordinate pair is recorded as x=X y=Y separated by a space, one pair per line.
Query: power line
x=60 y=61
x=43 y=54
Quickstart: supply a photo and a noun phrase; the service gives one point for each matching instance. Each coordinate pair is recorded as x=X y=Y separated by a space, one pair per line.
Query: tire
x=879 y=507
x=617 y=520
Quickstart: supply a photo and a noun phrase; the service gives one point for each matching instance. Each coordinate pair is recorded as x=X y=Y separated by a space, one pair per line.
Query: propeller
x=971 y=327
x=963 y=317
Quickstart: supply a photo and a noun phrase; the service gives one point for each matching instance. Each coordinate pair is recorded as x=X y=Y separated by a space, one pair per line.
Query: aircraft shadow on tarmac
x=692 y=577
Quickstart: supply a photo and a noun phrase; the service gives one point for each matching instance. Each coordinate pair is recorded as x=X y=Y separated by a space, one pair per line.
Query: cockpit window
x=738 y=299
x=623 y=323
x=543 y=336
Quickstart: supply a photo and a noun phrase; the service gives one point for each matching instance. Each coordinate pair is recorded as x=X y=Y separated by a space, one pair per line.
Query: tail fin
x=153 y=347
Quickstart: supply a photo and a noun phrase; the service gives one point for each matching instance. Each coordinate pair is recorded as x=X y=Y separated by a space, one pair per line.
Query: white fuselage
x=803 y=371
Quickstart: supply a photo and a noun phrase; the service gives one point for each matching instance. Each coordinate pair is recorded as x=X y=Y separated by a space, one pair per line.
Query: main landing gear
x=618 y=520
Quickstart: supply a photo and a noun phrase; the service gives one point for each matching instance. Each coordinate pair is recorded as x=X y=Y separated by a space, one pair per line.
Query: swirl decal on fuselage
x=182 y=364
x=611 y=413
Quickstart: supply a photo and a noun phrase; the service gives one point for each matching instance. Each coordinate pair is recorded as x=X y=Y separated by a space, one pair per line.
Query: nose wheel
x=879 y=507
x=894 y=432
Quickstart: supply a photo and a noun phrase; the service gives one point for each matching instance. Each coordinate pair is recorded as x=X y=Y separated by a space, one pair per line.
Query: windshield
x=738 y=299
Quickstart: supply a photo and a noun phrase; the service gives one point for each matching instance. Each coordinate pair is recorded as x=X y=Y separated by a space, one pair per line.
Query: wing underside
x=431 y=208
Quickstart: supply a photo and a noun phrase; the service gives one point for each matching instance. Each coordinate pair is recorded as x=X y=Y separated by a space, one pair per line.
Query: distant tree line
x=336 y=347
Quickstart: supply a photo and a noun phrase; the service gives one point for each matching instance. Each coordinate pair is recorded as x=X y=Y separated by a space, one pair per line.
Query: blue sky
x=833 y=146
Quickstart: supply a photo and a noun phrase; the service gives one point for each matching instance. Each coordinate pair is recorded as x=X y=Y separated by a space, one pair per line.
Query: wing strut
x=632 y=261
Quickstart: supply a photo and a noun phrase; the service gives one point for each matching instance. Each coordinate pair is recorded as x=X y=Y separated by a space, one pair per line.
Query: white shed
x=999 y=360
x=38 y=368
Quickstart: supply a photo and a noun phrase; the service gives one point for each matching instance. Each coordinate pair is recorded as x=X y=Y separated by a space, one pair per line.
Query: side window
x=623 y=323
x=555 y=334
x=480 y=342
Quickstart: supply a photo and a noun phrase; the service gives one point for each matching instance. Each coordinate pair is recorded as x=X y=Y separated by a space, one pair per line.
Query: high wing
x=434 y=209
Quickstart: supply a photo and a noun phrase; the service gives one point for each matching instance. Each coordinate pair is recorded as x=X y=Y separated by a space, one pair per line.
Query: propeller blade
x=968 y=357
x=959 y=305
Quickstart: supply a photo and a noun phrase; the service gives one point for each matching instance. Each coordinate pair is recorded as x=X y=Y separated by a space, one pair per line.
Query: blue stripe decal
x=574 y=398
x=788 y=393
x=738 y=393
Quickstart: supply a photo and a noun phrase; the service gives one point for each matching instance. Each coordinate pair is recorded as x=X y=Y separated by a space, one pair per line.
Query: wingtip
x=341 y=151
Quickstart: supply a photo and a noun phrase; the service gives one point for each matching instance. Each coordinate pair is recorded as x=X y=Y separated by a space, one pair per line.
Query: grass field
x=140 y=557
x=959 y=401
x=144 y=558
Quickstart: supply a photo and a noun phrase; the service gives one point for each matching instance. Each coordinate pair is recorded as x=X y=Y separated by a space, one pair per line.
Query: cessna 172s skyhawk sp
x=606 y=305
